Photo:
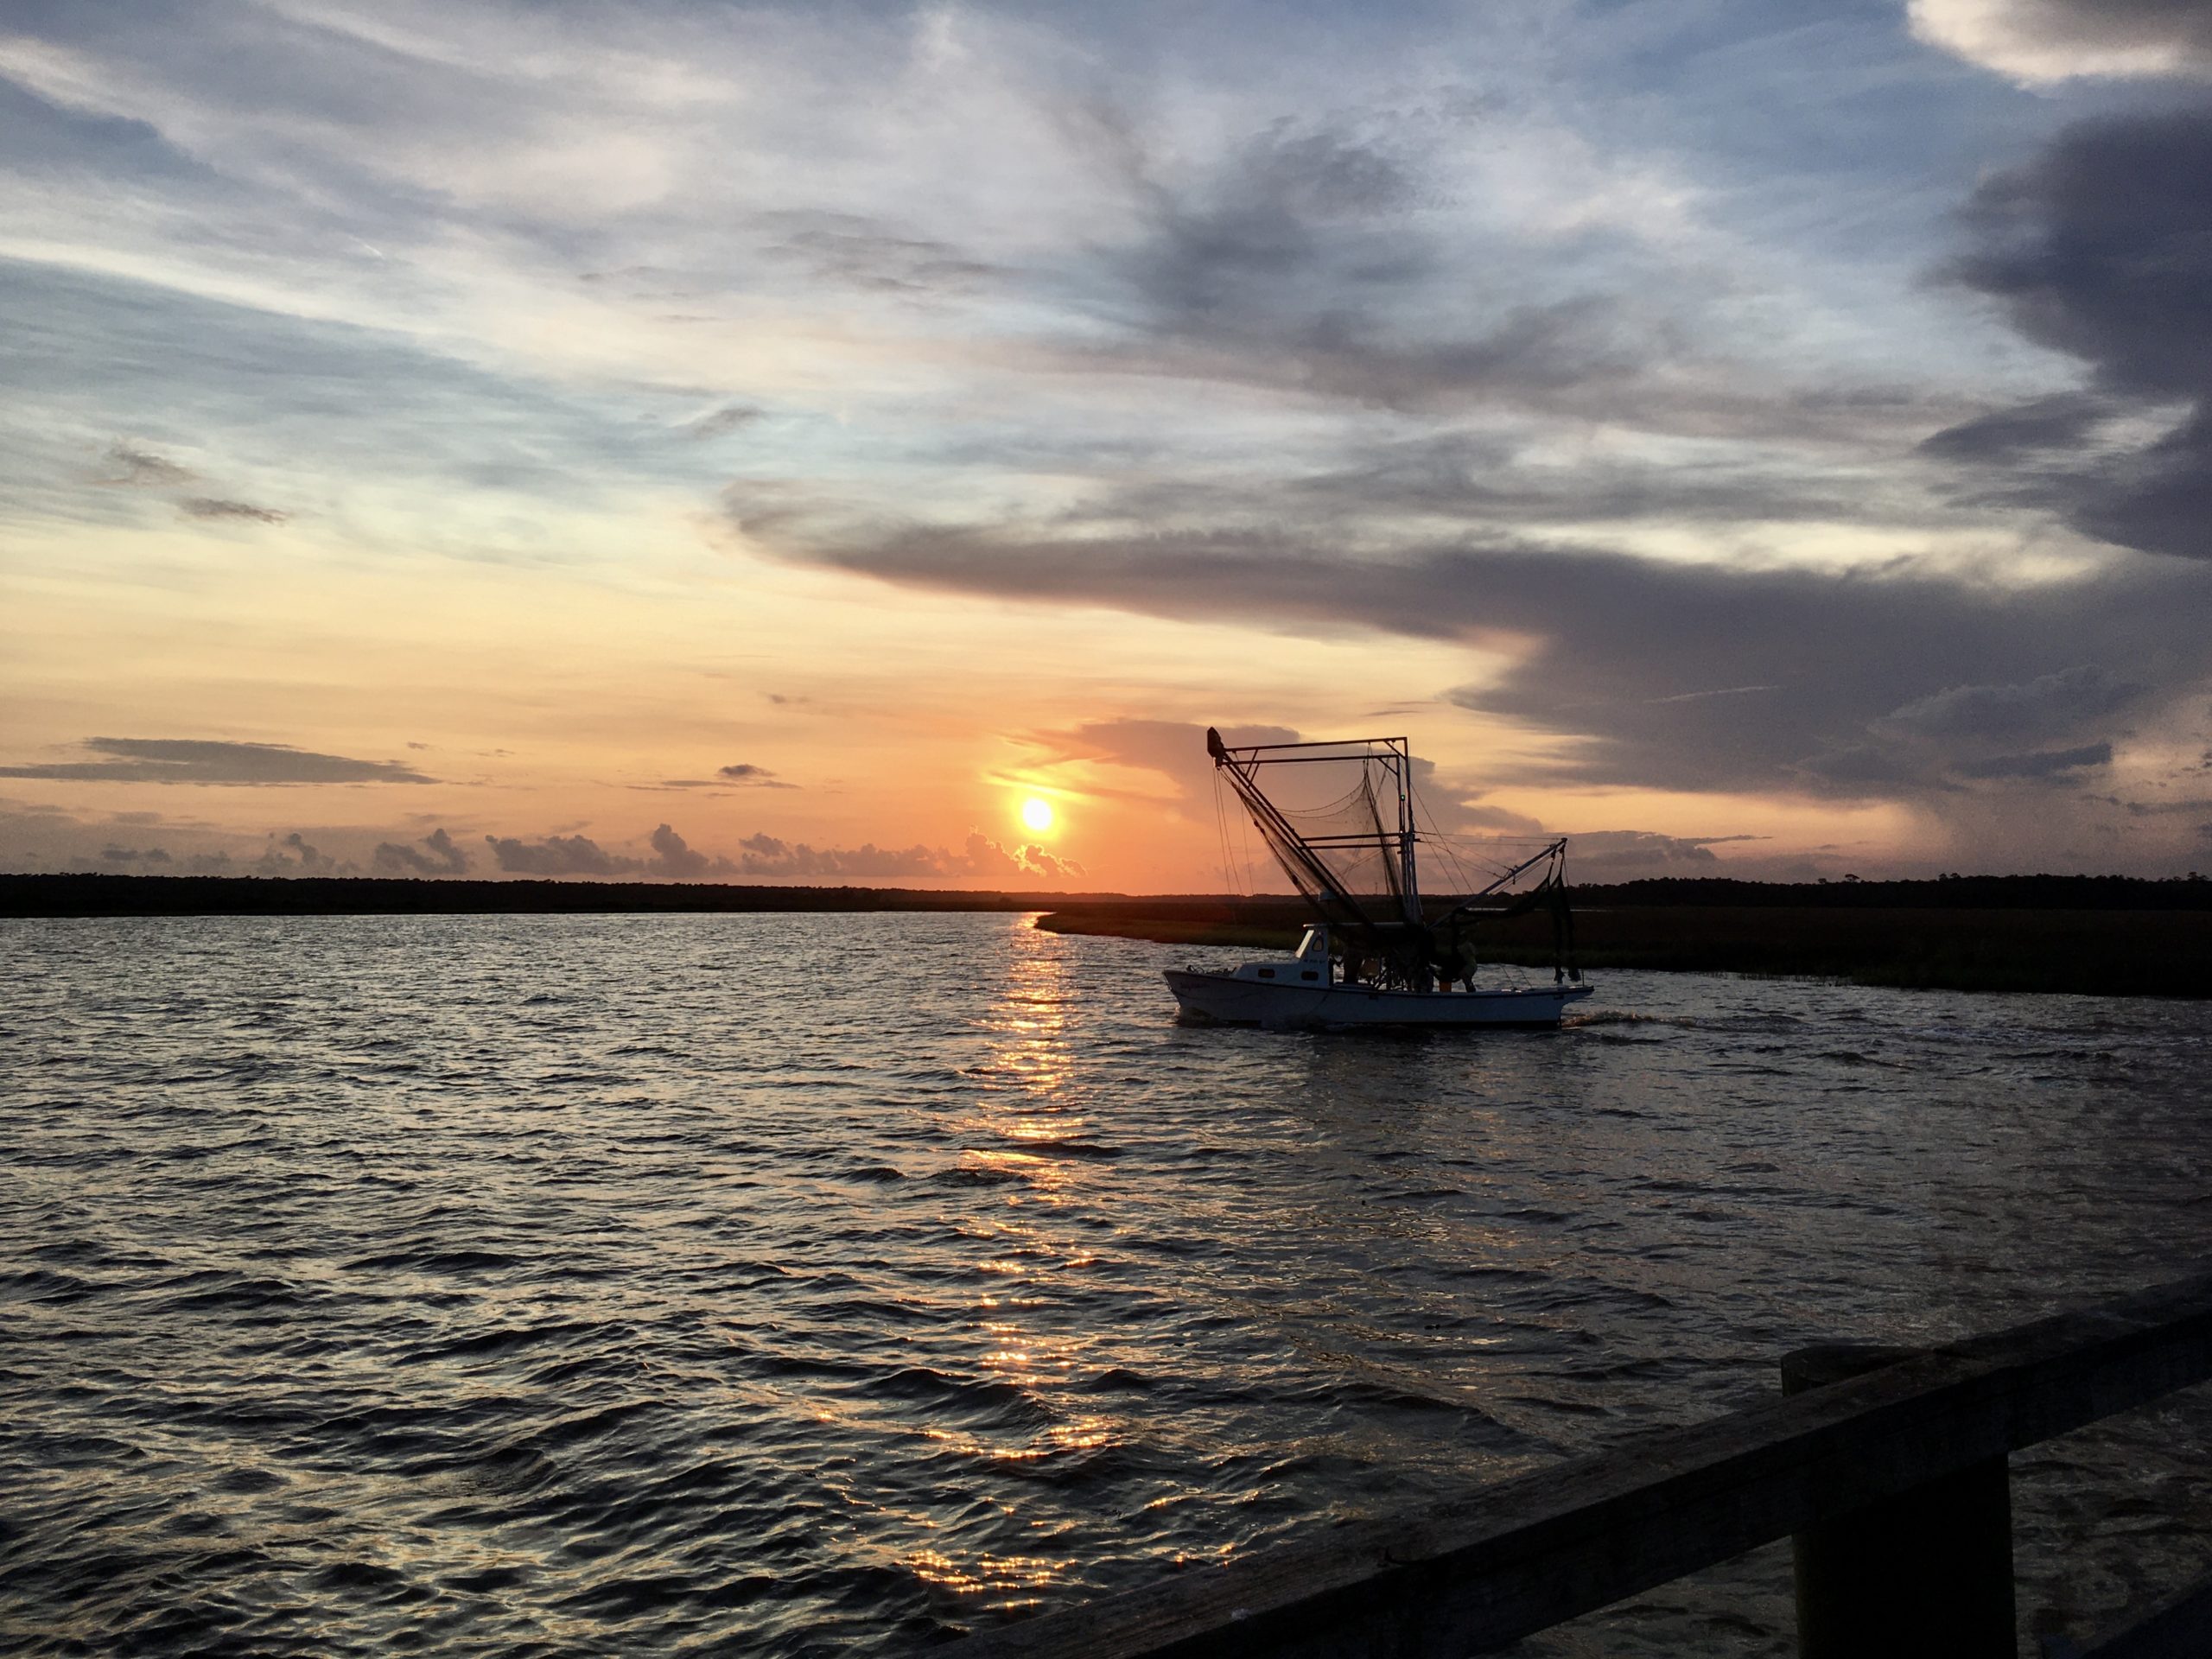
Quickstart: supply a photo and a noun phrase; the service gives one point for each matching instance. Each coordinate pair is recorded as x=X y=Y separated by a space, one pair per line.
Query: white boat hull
x=1229 y=1000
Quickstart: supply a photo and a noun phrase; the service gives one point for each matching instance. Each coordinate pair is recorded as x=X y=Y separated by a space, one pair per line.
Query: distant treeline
x=1944 y=892
x=2113 y=951
x=236 y=895
x=349 y=895
x=2109 y=934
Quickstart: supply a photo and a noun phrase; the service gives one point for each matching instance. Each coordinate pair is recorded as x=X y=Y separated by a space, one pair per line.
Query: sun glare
x=1036 y=815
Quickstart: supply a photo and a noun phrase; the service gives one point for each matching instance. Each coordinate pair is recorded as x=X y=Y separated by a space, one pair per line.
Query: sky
x=690 y=441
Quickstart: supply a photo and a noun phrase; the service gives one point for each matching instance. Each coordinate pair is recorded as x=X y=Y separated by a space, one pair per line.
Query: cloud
x=2056 y=40
x=149 y=856
x=1671 y=675
x=2040 y=707
x=744 y=771
x=444 y=857
x=1037 y=860
x=674 y=858
x=1636 y=855
x=295 y=856
x=1176 y=750
x=131 y=467
x=2042 y=763
x=2101 y=248
x=557 y=855
x=766 y=855
x=185 y=760
x=727 y=419
x=205 y=506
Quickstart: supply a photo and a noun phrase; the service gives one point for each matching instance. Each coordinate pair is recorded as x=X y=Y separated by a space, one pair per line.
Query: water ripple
x=517 y=1286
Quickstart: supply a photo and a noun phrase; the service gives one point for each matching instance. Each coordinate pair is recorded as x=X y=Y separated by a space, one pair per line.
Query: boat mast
x=1409 y=882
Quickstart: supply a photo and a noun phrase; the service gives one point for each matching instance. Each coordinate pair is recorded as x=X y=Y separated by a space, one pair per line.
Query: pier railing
x=1886 y=1466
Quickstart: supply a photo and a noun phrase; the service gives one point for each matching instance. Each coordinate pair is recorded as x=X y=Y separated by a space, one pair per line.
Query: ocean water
x=831 y=1285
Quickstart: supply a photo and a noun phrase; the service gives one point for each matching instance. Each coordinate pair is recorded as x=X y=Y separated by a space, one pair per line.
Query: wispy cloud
x=209 y=506
x=196 y=761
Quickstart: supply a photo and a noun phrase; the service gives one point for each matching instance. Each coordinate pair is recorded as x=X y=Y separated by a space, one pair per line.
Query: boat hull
x=1225 y=999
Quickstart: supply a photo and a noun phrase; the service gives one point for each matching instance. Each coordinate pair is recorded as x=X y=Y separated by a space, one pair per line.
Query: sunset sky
x=697 y=440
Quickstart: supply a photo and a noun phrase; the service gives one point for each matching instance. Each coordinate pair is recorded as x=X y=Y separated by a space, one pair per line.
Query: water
x=802 y=1284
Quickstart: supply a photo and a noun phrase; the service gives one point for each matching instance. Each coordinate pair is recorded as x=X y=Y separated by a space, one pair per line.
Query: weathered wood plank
x=1527 y=1553
x=1929 y=1572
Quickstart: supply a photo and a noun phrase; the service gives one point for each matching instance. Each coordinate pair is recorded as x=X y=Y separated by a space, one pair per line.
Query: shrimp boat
x=1375 y=953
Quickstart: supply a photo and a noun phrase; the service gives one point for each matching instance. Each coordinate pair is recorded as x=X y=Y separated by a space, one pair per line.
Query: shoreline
x=2082 y=952
x=2084 y=935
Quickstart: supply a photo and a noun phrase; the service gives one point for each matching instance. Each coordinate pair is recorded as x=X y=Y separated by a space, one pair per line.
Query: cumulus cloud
x=192 y=760
x=1637 y=854
x=438 y=855
x=766 y=855
x=557 y=855
x=2056 y=40
x=674 y=858
x=295 y=856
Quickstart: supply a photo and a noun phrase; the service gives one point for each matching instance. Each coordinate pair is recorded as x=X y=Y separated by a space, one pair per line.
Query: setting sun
x=1036 y=815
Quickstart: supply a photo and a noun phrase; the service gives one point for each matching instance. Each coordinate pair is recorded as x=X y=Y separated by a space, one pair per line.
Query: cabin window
x=1309 y=973
x=1267 y=973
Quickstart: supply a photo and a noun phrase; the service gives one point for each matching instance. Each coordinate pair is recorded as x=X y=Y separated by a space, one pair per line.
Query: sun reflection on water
x=1027 y=1142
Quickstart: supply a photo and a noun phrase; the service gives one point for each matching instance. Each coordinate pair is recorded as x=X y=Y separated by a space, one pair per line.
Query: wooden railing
x=1887 y=1467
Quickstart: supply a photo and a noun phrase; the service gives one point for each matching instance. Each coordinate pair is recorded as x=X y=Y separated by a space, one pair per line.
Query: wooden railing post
x=1926 y=1573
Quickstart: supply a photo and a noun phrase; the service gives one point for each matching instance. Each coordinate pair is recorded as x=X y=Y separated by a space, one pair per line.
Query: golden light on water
x=1036 y=815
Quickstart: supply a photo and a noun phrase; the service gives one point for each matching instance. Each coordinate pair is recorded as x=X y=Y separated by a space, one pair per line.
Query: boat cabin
x=1309 y=966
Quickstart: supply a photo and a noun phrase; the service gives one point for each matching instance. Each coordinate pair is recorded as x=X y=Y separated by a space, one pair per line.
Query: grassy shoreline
x=2095 y=935
x=2093 y=952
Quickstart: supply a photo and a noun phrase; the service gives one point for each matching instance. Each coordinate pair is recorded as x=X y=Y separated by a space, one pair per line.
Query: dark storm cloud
x=2063 y=421
x=2101 y=248
x=438 y=855
x=174 y=760
x=2042 y=763
x=1679 y=676
x=2016 y=714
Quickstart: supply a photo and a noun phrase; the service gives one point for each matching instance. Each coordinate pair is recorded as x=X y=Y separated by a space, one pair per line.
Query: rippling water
x=794 y=1285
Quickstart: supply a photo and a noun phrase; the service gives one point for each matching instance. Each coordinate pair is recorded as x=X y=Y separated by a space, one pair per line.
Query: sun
x=1036 y=815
